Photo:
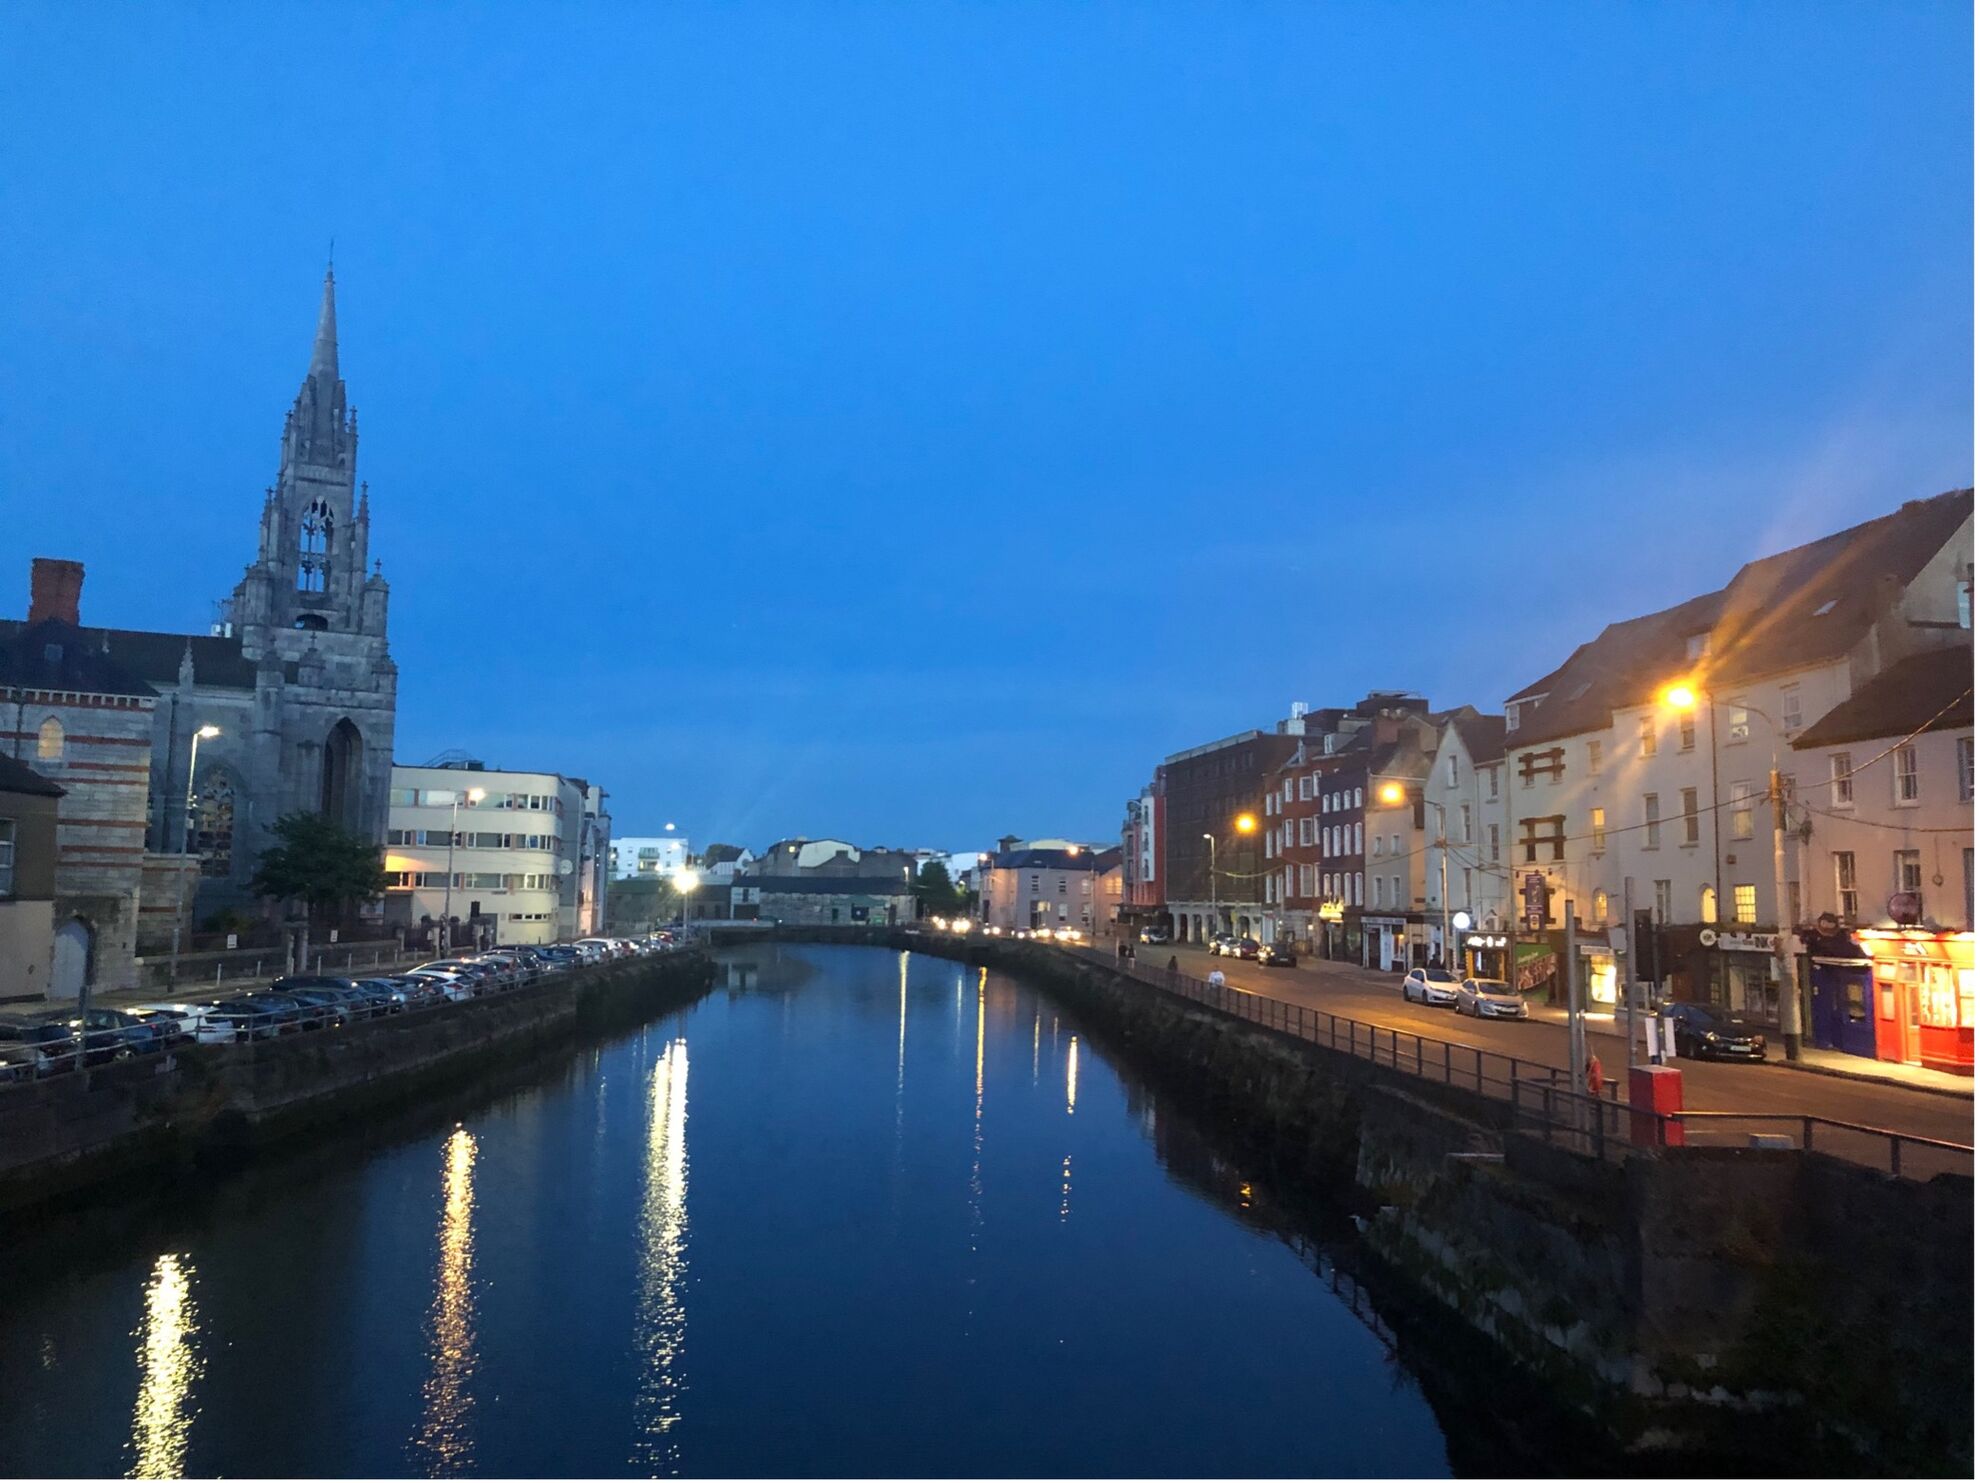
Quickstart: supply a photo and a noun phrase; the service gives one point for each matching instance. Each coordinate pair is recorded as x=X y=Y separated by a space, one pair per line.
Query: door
x=72 y=954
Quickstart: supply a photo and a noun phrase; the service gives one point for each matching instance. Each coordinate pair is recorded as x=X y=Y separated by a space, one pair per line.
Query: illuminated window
x=50 y=741
x=1598 y=829
x=1746 y=904
x=1601 y=909
x=1708 y=904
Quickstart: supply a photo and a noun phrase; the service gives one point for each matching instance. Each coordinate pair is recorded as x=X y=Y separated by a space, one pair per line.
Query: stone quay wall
x=66 y=1135
x=1766 y=1309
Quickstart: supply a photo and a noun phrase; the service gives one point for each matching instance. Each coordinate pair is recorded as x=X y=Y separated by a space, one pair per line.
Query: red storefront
x=1922 y=992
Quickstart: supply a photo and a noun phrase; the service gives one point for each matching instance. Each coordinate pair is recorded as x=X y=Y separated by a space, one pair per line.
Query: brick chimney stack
x=55 y=590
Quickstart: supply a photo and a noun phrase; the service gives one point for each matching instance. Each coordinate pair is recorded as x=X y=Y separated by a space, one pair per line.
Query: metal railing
x=1543 y=1097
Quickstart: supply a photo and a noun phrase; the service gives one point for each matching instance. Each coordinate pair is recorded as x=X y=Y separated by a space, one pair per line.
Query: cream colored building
x=508 y=859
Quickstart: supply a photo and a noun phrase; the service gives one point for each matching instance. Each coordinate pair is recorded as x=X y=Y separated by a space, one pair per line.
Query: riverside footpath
x=1712 y=1307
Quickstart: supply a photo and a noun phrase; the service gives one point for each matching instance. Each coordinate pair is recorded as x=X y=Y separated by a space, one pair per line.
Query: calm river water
x=857 y=1213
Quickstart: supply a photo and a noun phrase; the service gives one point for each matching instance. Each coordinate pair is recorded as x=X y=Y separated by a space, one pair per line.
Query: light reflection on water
x=444 y=1443
x=169 y=1361
x=661 y=1322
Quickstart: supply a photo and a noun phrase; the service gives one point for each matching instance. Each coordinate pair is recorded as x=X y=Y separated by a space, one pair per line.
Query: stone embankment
x=63 y=1135
x=1766 y=1310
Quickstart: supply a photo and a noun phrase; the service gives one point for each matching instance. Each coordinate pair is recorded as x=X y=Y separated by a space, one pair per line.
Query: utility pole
x=1444 y=881
x=1216 y=916
x=1632 y=972
x=1577 y=1028
x=1790 y=989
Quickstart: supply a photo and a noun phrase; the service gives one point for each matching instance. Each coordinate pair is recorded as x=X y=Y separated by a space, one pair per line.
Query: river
x=853 y=1213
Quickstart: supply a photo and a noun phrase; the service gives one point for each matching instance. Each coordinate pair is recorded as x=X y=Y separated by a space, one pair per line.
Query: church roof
x=323 y=355
x=154 y=657
x=56 y=655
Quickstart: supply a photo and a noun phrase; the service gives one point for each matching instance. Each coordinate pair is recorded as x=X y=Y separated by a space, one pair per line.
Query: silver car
x=1490 y=999
x=1430 y=986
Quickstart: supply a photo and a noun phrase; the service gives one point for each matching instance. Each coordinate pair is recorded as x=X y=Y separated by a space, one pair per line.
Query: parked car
x=1491 y=998
x=252 y=1018
x=316 y=1009
x=18 y=1063
x=1278 y=955
x=193 y=1022
x=1706 y=1033
x=485 y=977
x=452 y=986
x=1155 y=936
x=48 y=1044
x=1245 y=947
x=121 y=1028
x=1430 y=986
x=1220 y=943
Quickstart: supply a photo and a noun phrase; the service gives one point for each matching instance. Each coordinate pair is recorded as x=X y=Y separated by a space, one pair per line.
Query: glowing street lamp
x=1246 y=823
x=474 y=796
x=685 y=880
x=206 y=733
x=1389 y=793
x=1679 y=697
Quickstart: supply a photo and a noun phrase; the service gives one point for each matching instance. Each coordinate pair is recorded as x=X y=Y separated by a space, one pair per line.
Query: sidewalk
x=1813 y=1060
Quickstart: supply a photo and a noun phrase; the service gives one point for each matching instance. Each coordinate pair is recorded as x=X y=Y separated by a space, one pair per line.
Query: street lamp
x=1216 y=924
x=474 y=795
x=685 y=880
x=192 y=774
x=1682 y=696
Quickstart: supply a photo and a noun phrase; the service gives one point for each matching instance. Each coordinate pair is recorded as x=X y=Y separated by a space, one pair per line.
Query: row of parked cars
x=46 y=1044
x=1272 y=955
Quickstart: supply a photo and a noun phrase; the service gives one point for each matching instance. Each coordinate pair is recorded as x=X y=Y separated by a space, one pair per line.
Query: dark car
x=49 y=1044
x=314 y=1009
x=1244 y=947
x=341 y=992
x=119 y=1027
x=1705 y=1033
x=253 y=1020
x=1278 y=955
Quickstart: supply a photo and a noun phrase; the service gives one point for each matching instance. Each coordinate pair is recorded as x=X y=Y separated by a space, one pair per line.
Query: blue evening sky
x=909 y=422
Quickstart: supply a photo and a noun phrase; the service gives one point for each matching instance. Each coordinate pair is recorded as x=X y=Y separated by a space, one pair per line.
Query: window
x=1306 y=879
x=1598 y=830
x=1378 y=846
x=1357 y=798
x=6 y=857
x=1357 y=889
x=1739 y=722
x=1306 y=829
x=1646 y=735
x=213 y=825
x=1464 y=822
x=1688 y=798
x=1964 y=598
x=49 y=741
x=1357 y=841
x=1512 y=718
x=1491 y=783
x=1595 y=756
x=1492 y=841
x=1742 y=809
x=1746 y=905
x=1904 y=774
x=1906 y=871
x=1653 y=828
x=1550 y=764
x=1601 y=908
x=1381 y=890
x=406 y=796
x=1286 y=791
x=1842 y=786
x=313 y=553
x=1790 y=708
x=1306 y=789
x=1395 y=844
x=1963 y=751
x=1687 y=732
x=1543 y=834
x=1660 y=895
x=1450 y=772
x=1698 y=645
x=1708 y=904
x=1845 y=862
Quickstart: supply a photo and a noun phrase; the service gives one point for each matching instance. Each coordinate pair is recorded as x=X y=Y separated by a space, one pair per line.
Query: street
x=1375 y=998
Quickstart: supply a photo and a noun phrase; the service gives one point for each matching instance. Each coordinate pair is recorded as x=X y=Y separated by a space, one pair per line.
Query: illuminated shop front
x=1922 y=988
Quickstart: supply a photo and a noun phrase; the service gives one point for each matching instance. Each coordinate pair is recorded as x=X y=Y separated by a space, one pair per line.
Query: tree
x=321 y=864
x=934 y=893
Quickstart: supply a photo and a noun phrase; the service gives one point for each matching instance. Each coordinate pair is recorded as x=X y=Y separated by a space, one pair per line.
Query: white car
x=1430 y=986
x=194 y=1020
x=1490 y=998
x=452 y=985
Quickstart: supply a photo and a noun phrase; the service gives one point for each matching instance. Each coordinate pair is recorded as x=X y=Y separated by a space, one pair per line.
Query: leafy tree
x=935 y=894
x=321 y=864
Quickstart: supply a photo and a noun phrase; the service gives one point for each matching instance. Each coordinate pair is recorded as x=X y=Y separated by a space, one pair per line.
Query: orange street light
x=1246 y=823
x=1390 y=793
x=1679 y=697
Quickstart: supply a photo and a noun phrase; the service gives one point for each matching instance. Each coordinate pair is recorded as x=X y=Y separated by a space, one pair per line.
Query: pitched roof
x=1044 y=860
x=1797 y=608
x=1484 y=737
x=56 y=655
x=154 y=657
x=18 y=777
x=1932 y=691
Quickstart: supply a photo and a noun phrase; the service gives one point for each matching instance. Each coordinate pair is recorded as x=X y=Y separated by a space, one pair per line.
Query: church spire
x=323 y=357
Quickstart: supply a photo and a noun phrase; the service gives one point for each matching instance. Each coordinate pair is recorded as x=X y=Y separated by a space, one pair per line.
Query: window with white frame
x=1742 y=809
x=1491 y=783
x=1595 y=754
x=1842 y=783
x=1687 y=732
x=1688 y=801
x=1653 y=827
x=1598 y=830
x=1492 y=841
x=1746 y=905
x=1357 y=888
x=1904 y=775
x=1963 y=752
x=1846 y=898
x=1790 y=708
x=1450 y=772
x=1306 y=788
x=6 y=857
x=1739 y=722
x=1600 y=908
x=1906 y=871
x=1464 y=823
x=1646 y=734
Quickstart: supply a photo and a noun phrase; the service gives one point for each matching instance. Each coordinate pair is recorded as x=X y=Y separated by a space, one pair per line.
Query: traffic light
x=1642 y=944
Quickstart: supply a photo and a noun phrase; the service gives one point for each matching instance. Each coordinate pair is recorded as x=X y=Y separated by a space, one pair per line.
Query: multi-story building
x=1466 y=869
x=648 y=856
x=84 y=722
x=826 y=881
x=1640 y=768
x=1210 y=794
x=475 y=853
x=1889 y=853
x=1141 y=859
x=28 y=810
x=1026 y=889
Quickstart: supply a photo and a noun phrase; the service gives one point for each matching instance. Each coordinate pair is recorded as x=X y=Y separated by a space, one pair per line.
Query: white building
x=1465 y=805
x=648 y=855
x=1640 y=767
x=515 y=846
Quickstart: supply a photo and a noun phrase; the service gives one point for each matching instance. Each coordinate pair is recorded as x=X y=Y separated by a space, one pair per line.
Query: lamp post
x=685 y=880
x=1247 y=824
x=1685 y=697
x=1215 y=925
x=474 y=795
x=192 y=782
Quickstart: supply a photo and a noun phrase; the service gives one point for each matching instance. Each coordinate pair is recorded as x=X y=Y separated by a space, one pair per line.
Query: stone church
x=295 y=675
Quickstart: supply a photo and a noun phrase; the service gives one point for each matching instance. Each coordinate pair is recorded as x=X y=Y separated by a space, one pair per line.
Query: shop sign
x=1533 y=965
x=1332 y=911
x=1534 y=893
x=1740 y=942
x=1481 y=939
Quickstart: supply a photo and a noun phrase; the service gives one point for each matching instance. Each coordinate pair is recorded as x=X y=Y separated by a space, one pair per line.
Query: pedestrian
x=1130 y=950
x=1172 y=962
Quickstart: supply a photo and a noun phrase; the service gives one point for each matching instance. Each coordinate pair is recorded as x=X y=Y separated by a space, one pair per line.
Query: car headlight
x=1713 y=1036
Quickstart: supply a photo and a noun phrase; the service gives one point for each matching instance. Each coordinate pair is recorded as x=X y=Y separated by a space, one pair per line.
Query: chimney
x=55 y=591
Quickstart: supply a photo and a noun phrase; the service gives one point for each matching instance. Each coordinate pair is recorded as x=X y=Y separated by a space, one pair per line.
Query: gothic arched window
x=50 y=741
x=313 y=556
x=213 y=824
